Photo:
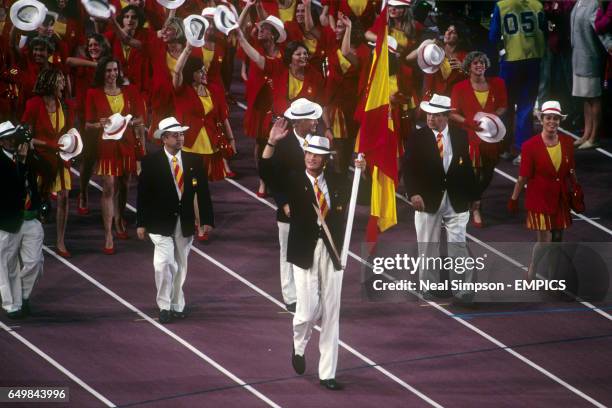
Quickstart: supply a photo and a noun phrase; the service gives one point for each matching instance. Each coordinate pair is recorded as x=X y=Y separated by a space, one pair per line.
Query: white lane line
x=162 y=328
x=477 y=330
x=280 y=304
x=599 y=149
x=57 y=365
x=582 y=217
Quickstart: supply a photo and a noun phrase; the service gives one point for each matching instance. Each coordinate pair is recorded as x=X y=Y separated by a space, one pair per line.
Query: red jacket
x=311 y=89
x=436 y=84
x=546 y=186
x=190 y=112
x=464 y=100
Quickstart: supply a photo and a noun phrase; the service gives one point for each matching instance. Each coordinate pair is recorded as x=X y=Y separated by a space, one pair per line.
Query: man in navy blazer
x=167 y=185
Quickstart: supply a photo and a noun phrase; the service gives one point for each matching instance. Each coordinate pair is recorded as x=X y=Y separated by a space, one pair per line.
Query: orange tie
x=320 y=198
x=178 y=173
x=440 y=145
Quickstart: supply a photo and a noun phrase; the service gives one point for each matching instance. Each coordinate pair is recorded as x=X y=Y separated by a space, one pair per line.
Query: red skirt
x=116 y=157
x=560 y=220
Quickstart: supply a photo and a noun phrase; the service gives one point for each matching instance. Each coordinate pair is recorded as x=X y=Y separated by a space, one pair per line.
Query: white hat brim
x=282 y=34
x=316 y=114
x=317 y=150
x=69 y=156
x=119 y=134
x=426 y=107
x=551 y=113
x=24 y=25
x=486 y=136
x=194 y=42
x=217 y=18
x=157 y=134
x=171 y=5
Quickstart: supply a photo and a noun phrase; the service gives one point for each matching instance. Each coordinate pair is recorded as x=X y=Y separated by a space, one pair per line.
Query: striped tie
x=320 y=198
x=178 y=173
x=440 y=145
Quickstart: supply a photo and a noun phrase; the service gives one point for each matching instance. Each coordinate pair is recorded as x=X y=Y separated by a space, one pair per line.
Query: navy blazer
x=304 y=231
x=424 y=172
x=13 y=182
x=158 y=201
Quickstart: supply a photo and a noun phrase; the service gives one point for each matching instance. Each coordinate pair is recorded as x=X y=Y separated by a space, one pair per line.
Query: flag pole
x=351 y=214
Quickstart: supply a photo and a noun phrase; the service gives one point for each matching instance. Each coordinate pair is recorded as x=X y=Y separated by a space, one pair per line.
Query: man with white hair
x=288 y=156
x=439 y=181
x=167 y=185
x=317 y=198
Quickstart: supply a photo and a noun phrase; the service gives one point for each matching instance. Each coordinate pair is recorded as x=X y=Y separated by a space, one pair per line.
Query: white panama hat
x=114 y=129
x=493 y=129
x=429 y=57
x=72 y=144
x=225 y=19
x=195 y=30
x=98 y=8
x=28 y=15
x=437 y=104
x=302 y=108
x=169 y=125
x=317 y=145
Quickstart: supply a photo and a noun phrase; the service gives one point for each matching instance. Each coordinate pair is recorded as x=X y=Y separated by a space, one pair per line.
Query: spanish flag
x=377 y=140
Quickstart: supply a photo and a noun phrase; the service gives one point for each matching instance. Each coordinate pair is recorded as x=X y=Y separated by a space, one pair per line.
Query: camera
x=23 y=134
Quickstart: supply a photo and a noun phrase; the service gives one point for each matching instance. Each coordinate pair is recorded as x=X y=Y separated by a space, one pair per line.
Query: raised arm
x=177 y=76
x=345 y=48
x=251 y=52
x=309 y=24
x=124 y=36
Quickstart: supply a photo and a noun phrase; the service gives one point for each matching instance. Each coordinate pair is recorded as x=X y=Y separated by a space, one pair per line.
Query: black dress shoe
x=165 y=316
x=298 y=362
x=17 y=314
x=179 y=315
x=291 y=307
x=25 y=307
x=331 y=384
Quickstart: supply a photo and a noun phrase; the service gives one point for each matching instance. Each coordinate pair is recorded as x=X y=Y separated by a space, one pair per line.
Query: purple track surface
x=96 y=316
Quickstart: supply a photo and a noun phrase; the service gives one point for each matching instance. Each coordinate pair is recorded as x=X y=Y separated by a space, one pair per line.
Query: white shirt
x=9 y=154
x=447 y=147
x=300 y=139
x=180 y=162
x=322 y=184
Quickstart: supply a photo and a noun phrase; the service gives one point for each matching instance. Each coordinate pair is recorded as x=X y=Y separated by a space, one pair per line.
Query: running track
x=94 y=327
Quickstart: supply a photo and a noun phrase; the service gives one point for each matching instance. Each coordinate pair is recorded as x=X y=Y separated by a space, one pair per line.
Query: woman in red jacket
x=50 y=117
x=83 y=73
x=473 y=95
x=201 y=105
x=547 y=164
x=116 y=158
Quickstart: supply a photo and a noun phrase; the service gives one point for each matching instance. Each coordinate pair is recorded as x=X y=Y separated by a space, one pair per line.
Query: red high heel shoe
x=230 y=175
x=81 y=210
x=63 y=254
x=122 y=235
x=109 y=251
x=261 y=195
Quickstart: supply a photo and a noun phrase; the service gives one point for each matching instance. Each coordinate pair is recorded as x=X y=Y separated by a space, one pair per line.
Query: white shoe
x=517 y=160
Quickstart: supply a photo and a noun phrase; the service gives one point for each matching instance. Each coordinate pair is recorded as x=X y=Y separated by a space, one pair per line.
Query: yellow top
x=555 y=155
x=393 y=86
x=202 y=143
x=445 y=68
x=60 y=28
x=311 y=45
x=482 y=97
x=55 y=121
x=207 y=56
x=344 y=63
x=116 y=102
x=170 y=62
x=295 y=86
x=126 y=51
x=400 y=37
x=286 y=14
x=358 y=6
x=124 y=3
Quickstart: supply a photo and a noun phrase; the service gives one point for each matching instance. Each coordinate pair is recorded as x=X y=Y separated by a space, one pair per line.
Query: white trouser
x=318 y=297
x=170 y=263
x=428 y=228
x=286 y=268
x=21 y=263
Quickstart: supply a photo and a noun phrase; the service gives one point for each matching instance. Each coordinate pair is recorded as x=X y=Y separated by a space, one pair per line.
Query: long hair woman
x=116 y=158
x=50 y=116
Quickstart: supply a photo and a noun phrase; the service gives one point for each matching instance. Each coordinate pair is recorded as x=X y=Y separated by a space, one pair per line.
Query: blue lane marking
x=524 y=312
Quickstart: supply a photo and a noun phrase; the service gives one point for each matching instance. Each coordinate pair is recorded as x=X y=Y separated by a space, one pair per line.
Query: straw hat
x=28 y=15
x=317 y=145
x=169 y=125
x=493 y=129
x=117 y=123
x=303 y=109
x=437 y=104
x=195 y=30
x=225 y=19
x=72 y=144
x=429 y=57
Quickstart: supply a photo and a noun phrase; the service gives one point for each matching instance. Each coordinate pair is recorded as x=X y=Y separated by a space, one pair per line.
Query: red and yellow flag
x=377 y=140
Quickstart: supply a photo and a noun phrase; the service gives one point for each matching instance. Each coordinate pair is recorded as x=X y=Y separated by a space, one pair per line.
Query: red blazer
x=189 y=111
x=546 y=186
x=366 y=18
x=36 y=116
x=464 y=100
x=97 y=107
x=311 y=89
x=136 y=68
